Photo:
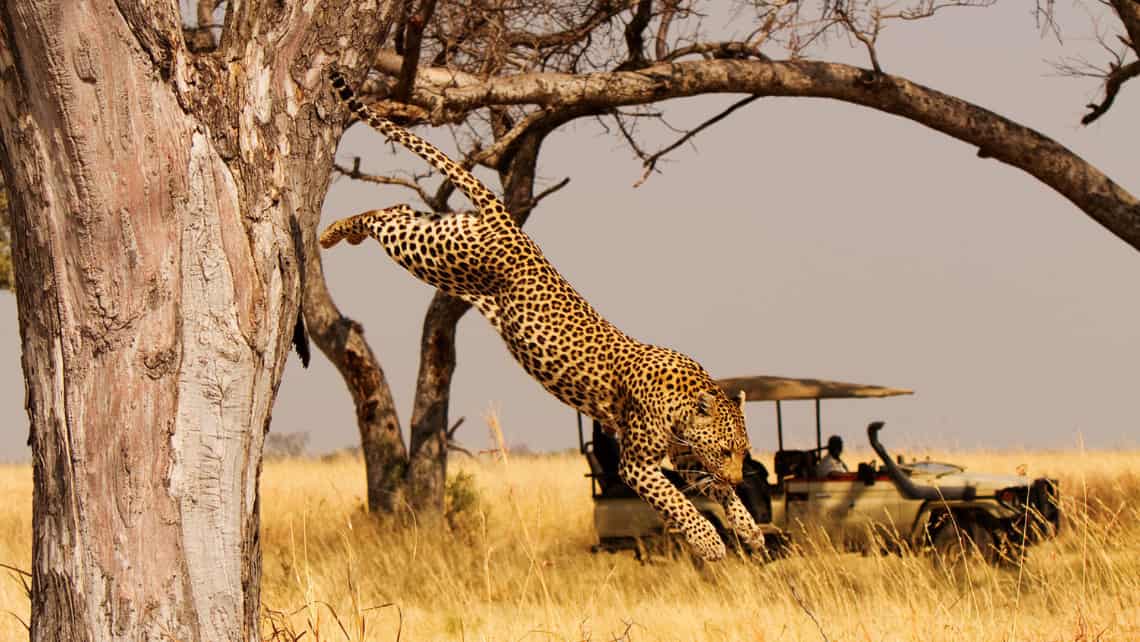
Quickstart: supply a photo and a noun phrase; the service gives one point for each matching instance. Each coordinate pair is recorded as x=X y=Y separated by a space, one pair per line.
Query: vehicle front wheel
x=957 y=543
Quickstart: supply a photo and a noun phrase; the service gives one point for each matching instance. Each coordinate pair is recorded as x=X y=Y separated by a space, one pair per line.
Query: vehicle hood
x=981 y=481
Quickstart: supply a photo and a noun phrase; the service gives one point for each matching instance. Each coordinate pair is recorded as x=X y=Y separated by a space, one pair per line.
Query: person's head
x=834 y=446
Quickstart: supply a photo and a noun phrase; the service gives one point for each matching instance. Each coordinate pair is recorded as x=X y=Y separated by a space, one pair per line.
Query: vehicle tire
x=957 y=543
x=776 y=546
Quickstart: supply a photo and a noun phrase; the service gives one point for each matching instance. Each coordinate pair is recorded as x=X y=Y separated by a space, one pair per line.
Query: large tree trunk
x=427 y=466
x=417 y=473
x=342 y=340
x=156 y=198
x=427 y=461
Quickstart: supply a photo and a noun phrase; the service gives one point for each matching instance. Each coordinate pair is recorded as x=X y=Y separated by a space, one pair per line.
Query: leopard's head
x=717 y=435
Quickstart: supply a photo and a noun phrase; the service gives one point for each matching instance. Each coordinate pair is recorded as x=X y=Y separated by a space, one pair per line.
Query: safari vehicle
x=889 y=505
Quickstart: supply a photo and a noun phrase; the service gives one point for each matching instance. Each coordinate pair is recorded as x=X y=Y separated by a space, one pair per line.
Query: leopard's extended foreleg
x=641 y=471
x=739 y=519
x=356 y=228
x=447 y=251
x=693 y=472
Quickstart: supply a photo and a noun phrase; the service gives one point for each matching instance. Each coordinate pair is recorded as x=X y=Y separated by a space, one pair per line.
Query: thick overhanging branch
x=995 y=136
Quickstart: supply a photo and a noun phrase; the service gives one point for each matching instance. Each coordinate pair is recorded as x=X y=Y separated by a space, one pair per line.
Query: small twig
x=455 y=426
x=451 y=445
x=20 y=620
x=17 y=570
x=1112 y=84
x=355 y=173
x=399 y=614
x=650 y=163
x=867 y=40
x=796 y=597
x=546 y=192
x=336 y=617
x=628 y=136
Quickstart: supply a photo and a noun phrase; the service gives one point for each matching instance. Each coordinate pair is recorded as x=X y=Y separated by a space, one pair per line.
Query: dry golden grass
x=516 y=565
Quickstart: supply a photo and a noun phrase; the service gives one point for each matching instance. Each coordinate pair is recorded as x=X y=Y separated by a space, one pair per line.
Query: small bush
x=462 y=503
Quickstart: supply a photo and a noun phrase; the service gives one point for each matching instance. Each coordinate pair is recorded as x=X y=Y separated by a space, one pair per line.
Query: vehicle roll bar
x=903 y=482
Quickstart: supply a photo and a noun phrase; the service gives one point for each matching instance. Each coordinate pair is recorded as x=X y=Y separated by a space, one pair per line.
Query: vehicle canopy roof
x=767 y=388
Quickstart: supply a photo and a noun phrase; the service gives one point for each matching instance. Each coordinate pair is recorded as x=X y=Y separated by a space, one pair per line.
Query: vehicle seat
x=603 y=455
x=794 y=463
x=755 y=492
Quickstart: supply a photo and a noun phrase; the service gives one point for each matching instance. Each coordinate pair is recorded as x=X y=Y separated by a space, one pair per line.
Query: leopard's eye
x=726 y=453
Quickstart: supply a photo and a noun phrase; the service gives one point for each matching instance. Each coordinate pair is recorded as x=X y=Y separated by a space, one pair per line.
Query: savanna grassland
x=512 y=561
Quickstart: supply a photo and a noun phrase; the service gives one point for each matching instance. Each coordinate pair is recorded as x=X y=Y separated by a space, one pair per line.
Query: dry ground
x=515 y=564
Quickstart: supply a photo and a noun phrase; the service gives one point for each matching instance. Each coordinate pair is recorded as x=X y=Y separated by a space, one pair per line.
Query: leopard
x=655 y=401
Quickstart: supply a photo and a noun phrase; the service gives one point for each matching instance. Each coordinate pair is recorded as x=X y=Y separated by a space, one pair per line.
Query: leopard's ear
x=705 y=403
x=741 y=399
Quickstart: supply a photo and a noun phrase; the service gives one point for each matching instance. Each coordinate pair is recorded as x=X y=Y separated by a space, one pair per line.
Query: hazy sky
x=803 y=238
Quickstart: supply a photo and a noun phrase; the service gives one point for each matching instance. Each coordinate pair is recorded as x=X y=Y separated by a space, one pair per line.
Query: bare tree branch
x=635 y=35
x=650 y=163
x=604 y=10
x=548 y=191
x=718 y=50
x=996 y=136
x=662 y=40
x=455 y=426
x=413 y=37
x=867 y=37
x=1112 y=84
x=1129 y=13
x=355 y=173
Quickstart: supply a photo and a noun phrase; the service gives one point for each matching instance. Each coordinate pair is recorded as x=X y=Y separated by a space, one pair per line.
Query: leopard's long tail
x=489 y=205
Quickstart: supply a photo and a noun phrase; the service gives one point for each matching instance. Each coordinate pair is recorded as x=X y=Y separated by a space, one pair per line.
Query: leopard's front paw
x=704 y=539
x=752 y=536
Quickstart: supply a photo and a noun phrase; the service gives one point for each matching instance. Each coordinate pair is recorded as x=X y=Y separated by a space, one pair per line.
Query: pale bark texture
x=156 y=197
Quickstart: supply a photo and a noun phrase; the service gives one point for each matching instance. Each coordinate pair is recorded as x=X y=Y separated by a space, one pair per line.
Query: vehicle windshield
x=933 y=468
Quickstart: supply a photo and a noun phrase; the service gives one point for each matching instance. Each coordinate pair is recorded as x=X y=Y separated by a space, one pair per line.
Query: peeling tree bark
x=156 y=197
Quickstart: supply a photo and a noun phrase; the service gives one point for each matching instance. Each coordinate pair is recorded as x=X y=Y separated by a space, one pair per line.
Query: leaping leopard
x=657 y=401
